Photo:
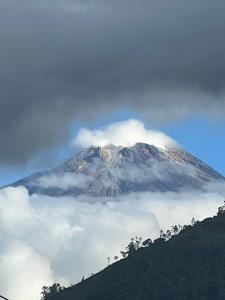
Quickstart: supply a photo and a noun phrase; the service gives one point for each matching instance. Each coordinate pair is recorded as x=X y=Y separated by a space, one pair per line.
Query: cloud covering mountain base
x=46 y=239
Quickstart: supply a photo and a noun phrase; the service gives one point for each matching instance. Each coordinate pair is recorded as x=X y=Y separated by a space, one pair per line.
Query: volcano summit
x=116 y=170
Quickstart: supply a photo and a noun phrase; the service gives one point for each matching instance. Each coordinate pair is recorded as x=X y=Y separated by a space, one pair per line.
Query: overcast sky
x=69 y=62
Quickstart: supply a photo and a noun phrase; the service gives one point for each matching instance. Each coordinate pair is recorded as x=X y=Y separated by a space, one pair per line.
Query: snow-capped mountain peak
x=115 y=170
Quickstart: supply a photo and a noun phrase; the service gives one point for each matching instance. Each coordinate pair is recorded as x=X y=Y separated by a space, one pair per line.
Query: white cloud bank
x=125 y=133
x=64 y=181
x=47 y=239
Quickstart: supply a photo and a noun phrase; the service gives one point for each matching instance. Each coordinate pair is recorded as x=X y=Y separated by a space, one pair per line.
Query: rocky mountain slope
x=113 y=171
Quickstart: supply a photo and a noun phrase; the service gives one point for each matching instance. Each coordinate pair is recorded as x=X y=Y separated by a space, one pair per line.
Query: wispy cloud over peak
x=125 y=133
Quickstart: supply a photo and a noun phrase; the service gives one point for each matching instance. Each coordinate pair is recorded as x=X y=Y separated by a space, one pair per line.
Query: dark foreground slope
x=189 y=266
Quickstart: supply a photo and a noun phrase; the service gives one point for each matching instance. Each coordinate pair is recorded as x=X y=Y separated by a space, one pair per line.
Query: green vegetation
x=183 y=264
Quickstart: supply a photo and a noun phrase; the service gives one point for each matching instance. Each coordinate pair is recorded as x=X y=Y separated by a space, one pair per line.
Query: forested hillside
x=189 y=266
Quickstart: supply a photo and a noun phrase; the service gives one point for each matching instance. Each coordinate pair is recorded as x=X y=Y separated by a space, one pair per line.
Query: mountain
x=113 y=171
x=189 y=266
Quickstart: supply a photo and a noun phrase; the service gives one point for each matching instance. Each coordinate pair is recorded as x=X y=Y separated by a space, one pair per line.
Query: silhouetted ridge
x=190 y=266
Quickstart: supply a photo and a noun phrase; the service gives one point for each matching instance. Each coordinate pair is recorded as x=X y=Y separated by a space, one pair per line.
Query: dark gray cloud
x=63 y=61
